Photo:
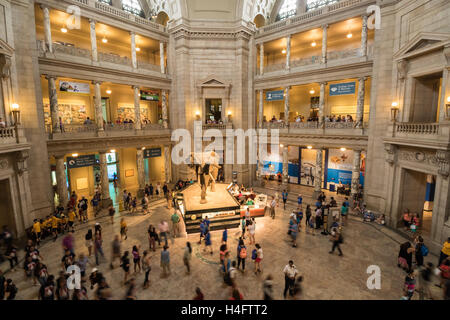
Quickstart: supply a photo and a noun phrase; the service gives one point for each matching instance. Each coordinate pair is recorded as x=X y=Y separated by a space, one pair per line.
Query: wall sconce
x=108 y=91
x=229 y=116
x=343 y=149
x=394 y=111
x=447 y=109
x=283 y=51
x=197 y=115
x=15 y=109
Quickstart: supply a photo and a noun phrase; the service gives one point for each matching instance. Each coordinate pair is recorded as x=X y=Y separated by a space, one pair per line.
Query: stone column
x=94 y=52
x=261 y=109
x=445 y=91
x=167 y=164
x=47 y=29
x=301 y=6
x=261 y=59
x=318 y=175
x=133 y=50
x=53 y=98
x=322 y=103
x=356 y=171
x=324 y=43
x=286 y=106
x=137 y=108
x=140 y=171
x=61 y=181
x=288 y=52
x=98 y=105
x=285 y=166
x=360 y=103
x=364 y=36
x=161 y=57
x=164 y=109
x=106 y=198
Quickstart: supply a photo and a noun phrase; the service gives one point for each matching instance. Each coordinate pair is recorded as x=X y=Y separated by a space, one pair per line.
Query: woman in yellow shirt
x=123 y=229
x=55 y=221
x=37 y=231
x=445 y=252
x=72 y=216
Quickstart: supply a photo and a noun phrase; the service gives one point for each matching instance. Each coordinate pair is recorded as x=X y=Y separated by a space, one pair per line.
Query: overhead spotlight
x=284 y=51
x=309 y=147
x=313 y=44
x=138 y=49
x=74 y=155
x=64 y=30
x=349 y=35
x=108 y=91
x=112 y=150
x=104 y=40
x=343 y=149
x=312 y=91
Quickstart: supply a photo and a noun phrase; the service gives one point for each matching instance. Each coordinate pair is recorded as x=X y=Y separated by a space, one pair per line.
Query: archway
x=162 y=18
x=259 y=21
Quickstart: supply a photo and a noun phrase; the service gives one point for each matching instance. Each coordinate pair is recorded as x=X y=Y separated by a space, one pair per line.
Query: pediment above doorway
x=423 y=43
x=213 y=82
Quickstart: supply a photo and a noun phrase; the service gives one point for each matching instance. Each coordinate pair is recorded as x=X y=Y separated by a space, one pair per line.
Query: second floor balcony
x=436 y=135
x=316 y=128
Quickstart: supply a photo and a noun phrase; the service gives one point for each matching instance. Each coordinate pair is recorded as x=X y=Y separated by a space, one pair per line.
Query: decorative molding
x=443 y=161
x=402 y=68
x=390 y=153
x=21 y=161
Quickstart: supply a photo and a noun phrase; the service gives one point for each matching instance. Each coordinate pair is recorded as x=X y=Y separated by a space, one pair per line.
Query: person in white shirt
x=2 y=123
x=273 y=204
x=251 y=230
x=233 y=272
x=290 y=272
x=259 y=257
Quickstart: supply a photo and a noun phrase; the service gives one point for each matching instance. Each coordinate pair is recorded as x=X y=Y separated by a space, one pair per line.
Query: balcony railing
x=219 y=126
x=8 y=135
x=305 y=61
x=152 y=126
x=75 y=128
x=417 y=133
x=417 y=128
x=119 y=126
x=274 y=125
x=114 y=58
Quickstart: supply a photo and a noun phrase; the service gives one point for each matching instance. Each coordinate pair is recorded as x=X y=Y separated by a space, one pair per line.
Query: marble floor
x=326 y=276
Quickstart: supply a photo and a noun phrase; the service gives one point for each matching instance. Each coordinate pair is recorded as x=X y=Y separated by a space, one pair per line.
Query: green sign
x=149 y=96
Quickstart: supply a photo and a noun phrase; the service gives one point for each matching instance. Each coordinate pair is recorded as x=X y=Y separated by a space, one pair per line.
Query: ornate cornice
x=208 y=35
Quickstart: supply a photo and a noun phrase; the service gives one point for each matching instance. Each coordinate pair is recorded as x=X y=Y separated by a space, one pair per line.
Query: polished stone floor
x=325 y=276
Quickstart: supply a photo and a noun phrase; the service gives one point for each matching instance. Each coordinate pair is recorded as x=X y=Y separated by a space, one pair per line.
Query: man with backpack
x=337 y=239
x=241 y=254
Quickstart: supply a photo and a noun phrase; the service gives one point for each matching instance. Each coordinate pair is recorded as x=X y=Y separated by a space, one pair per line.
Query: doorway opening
x=6 y=209
x=426 y=98
x=213 y=112
x=418 y=198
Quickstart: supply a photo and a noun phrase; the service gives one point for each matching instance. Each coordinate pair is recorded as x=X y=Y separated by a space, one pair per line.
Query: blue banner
x=275 y=95
x=82 y=161
x=152 y=153
x=339 y=89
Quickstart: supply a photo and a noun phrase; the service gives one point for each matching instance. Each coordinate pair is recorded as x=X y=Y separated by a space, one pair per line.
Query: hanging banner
x=152 y=153
x=149 y=96
x=82 y=161
x=275 y=95
x=339 y=89
x=77 y=87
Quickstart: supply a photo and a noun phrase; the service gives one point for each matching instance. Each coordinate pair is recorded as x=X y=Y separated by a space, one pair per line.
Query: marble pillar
x=360 y=102
x=445 y=91
x=285 y=166
x=164 y=109
x=364 y=36
x=323 y=86
x=47 y=29
x=286 y=106
x=318 y=174
x=140 y=171
x=94 y=51
x=161 y=57
x=137 y=108
x=133 y=50
x=301 y=6
x=356 y=171
x=106 y=198
x=167 y=164
x=98 y=105
x=61 y=181
x=261 y=109
x=324 y=43
x=261 y=59
x=53 y=98
x=288 y=52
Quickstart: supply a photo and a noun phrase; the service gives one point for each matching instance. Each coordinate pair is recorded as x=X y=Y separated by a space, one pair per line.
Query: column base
x=106 y=203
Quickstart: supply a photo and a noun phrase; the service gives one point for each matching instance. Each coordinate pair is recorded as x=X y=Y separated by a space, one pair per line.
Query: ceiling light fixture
x=104 y=40
x=309 y=147
x=64 y=29
x=313 y=44
x=284 y=51
x=138 y=49
x=74 y=155
x=349 y=35
x=343 y=149
x=312 y=91
x=108 y=91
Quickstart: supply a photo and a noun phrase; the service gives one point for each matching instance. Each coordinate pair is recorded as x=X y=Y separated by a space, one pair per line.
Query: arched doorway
x=259 y=21
x=162 y=18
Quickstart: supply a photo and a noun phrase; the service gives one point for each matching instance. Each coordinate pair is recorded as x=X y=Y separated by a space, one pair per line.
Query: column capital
x=132 y=33
x=44 y=6
x=325 y=26
x=363 y=78
x=50 y=76
x=97 y=82
x=323 y=83
x=58 y=155
x=92 y=21
x=134 y=87
x=103 y=151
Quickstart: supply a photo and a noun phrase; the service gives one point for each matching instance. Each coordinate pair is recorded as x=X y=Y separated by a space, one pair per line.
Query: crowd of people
x=328 y=118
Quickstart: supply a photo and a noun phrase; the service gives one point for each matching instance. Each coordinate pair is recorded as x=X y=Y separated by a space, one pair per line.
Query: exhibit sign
x=77 y=87
x=82 y=161
x=339 y=89
x=152 y=153
x=149 y=96
x=275 y=95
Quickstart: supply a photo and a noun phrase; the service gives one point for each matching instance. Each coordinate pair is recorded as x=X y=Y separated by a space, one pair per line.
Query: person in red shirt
x=445 y=271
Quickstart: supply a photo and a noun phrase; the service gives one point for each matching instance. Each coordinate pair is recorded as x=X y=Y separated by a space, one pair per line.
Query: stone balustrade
x=274 y=125
x=149 y=66
x=119 y=126
x=8 y=135
x=77 y=128
x=305 y=61
x=220 y=126
x=304 y=125
x=417 y=128
x=114 y=58
x=152 y=126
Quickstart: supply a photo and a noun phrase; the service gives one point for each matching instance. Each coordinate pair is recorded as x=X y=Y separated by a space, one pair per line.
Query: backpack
x=254 y=254
x=143 y=201
x=243 y=253
x=424 y=250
